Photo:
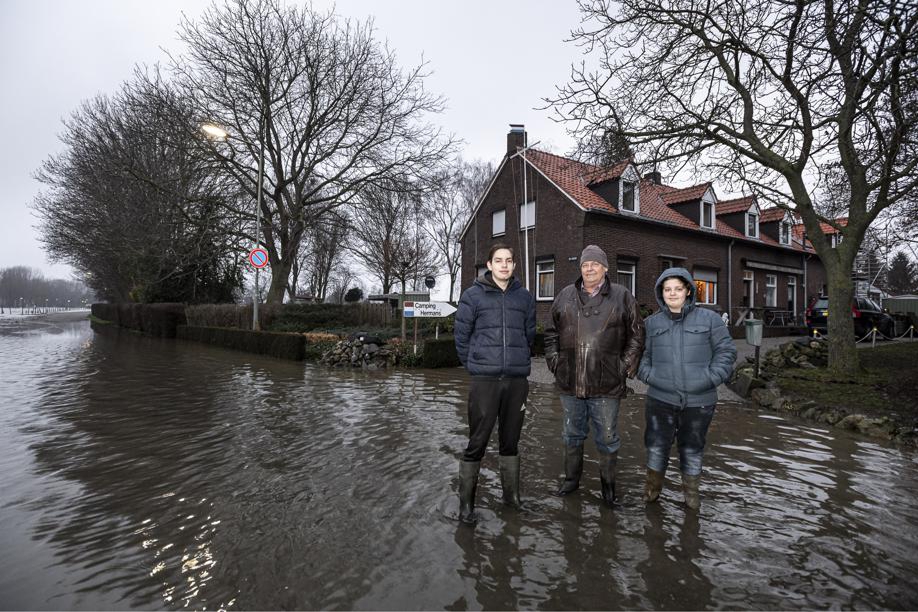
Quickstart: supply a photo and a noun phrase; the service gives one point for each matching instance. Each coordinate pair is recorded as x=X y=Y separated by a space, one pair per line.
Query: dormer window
x=629 y=202
x=707 y=214
x=752 y=225
x=836 y=240
x=785 y=233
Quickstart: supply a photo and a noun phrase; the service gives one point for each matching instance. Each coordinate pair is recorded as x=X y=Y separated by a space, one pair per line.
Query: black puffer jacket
x=596 y=343
x=494 y=328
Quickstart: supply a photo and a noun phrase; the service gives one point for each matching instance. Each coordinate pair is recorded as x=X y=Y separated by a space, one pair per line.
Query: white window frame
x=752 y=216
x=710 y=205
x=630 y=176
x=527 y=213
x=545 y=267
x=836 y=239
x=634 y=194
x=784 y=233
x=502 y=215
x=710 y=286
x=771 y=291
x=632 y=273
x=792 y=294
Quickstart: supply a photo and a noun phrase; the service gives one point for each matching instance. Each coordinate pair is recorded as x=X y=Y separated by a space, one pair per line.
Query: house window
x=527 y=216
x=785 y=232
x=771 y=290
x=705 y=286
x=792 y=295
x=628 y=196
x=545 y=285
x=707 y=214
x=748 y=282
x=626 y=275
x=752 y=225
x=666 y=264
x=498 y=222
x=836 y=240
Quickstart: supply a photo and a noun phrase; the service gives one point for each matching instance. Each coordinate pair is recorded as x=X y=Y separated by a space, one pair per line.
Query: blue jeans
x=602 y=411
x=688 y=427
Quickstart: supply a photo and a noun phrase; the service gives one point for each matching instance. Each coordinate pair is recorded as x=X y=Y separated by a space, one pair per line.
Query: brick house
x=741 y=255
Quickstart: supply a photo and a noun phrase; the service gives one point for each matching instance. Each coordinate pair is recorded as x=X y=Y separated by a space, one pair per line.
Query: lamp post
x=218 y=133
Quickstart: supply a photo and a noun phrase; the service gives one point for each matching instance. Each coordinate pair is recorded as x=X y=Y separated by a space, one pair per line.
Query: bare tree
x=318 y=97
x=127 y=204
x=321 y=249
x=767 y=95
x=386 y=238
x=448 y=208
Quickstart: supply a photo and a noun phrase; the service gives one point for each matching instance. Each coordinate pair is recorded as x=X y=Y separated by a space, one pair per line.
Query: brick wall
x=562 y=229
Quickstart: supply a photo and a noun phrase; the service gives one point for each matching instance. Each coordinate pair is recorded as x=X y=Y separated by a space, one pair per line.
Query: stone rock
x=745 y=383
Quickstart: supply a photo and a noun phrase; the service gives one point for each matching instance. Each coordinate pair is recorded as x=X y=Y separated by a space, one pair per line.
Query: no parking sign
x=258 y=257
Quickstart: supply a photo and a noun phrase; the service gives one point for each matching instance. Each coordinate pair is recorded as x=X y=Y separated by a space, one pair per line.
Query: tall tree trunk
x=843 y=357
x=280 y=272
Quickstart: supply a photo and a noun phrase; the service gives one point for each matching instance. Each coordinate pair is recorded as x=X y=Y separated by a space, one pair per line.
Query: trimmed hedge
x=274 y=344
x=440 y=353
x=153 y=319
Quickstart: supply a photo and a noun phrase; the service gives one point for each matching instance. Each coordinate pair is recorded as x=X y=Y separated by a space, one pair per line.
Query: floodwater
x=146 y=473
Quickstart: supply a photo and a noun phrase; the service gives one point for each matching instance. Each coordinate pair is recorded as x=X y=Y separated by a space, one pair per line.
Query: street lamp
x=218 y=133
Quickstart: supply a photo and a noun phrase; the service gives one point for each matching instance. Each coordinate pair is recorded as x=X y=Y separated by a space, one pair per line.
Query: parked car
x=866 y=313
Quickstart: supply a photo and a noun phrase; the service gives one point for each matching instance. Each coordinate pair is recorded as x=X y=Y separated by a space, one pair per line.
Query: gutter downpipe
x=730 y=281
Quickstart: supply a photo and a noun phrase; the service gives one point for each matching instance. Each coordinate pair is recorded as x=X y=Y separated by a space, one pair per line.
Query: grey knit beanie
x=594 y=253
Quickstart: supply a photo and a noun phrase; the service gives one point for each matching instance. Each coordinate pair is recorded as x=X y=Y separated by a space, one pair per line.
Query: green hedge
x=274 y=344
x=153 y=319
x=440 y=353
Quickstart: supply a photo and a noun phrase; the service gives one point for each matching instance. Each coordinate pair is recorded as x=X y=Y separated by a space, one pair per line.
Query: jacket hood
x=486 y=281
x=681 y=273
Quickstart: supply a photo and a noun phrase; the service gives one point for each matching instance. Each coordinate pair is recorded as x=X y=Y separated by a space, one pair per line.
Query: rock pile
x=807 y=354
x=360 y=352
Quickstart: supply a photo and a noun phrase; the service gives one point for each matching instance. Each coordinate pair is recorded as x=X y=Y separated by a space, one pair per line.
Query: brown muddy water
x=144 y=473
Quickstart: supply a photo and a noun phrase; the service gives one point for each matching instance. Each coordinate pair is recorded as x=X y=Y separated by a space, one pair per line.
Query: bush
x=440 y=353
x=153 y=319
x=283 y=346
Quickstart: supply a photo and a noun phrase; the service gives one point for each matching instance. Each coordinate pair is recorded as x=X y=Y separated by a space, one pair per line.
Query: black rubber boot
x=690 y=491
x=652 y=486
x=510 y=480
x=607 y=462
x=573 y=468
x=468 y=483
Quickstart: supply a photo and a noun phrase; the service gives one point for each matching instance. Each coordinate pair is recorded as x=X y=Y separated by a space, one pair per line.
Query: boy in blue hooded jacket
x=688 y=352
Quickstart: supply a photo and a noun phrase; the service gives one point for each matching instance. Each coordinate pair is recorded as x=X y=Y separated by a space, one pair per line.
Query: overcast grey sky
x=493 y=60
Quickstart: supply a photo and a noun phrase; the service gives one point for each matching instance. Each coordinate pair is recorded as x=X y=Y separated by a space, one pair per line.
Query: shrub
x=283 y=346
x=440 y=353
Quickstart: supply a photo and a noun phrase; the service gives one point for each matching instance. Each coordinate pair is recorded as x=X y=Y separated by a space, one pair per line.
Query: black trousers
x=495 y=400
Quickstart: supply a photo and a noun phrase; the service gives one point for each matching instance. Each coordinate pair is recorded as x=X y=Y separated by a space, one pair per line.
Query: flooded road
x=145 y=473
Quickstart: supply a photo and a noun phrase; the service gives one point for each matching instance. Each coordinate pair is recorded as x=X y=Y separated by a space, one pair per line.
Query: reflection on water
x=143 y=473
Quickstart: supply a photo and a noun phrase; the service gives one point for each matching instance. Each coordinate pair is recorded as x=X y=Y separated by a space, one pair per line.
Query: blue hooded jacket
x=494 y=329
x=687 y=358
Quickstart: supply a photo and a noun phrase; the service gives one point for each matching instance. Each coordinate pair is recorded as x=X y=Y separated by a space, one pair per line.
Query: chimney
x=654 y=177
x=516 y=139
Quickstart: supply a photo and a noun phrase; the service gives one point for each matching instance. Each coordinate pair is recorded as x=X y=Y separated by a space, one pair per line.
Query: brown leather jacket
x=595 y=343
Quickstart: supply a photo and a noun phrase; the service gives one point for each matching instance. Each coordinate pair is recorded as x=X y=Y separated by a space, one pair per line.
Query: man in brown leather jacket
x=595 y=345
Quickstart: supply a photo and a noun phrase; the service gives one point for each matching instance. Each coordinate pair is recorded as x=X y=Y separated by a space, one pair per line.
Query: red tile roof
x=733 y=206
x=827 y=229
x=573 y=178
x=685 y=194
x=605 y=174
x=772 y=214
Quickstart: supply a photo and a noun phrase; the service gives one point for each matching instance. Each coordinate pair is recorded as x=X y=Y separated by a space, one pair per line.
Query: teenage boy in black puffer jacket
x=495 y=328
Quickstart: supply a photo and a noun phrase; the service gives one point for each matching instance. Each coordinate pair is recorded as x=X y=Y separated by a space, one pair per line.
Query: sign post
x=420 y=310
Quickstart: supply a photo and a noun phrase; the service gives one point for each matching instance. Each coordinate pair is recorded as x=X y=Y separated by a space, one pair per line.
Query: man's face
x=501 y=265
x=592 y=272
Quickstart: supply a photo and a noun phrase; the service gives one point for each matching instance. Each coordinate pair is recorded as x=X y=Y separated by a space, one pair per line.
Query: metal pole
x=261 y=171
x=522 y=210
